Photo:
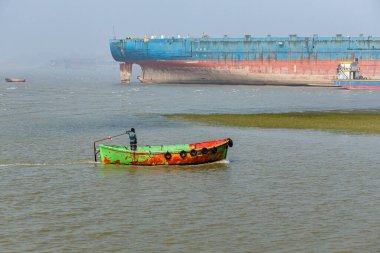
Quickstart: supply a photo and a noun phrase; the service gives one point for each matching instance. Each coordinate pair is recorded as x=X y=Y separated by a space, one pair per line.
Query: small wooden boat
x=180 y=154
x=14 y=80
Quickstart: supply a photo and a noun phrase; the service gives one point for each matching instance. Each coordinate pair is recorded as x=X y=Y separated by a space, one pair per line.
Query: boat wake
x=46 y=164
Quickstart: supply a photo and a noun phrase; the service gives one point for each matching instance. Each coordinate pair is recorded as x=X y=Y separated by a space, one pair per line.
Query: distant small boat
x=180 y=154
x=14 y=80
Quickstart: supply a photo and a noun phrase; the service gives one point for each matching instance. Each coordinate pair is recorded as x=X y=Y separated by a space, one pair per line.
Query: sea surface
x=279 y=191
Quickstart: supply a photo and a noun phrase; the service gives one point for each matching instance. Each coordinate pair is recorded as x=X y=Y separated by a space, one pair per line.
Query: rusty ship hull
x=261 y=61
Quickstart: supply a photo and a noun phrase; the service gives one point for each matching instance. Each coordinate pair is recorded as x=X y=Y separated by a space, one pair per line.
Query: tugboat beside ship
x=349 y=77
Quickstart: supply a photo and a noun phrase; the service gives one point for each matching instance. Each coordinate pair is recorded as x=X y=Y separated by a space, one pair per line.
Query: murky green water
x=279 y=191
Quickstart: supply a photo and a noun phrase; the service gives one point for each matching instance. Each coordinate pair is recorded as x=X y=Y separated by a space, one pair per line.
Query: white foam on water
x=225 y=161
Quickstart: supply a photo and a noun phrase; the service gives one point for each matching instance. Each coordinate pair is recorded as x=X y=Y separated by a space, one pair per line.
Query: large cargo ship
x=268 y=60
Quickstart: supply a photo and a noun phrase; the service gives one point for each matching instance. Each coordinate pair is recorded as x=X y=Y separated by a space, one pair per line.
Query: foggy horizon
x=43 y=30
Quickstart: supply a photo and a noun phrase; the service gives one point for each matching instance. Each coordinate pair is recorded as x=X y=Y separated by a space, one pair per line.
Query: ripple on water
x=279 y=191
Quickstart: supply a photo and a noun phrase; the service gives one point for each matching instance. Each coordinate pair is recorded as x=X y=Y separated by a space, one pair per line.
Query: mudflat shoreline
x=342 y=121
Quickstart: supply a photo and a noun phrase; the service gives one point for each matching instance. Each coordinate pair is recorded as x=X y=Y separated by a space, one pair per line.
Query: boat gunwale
x=118 y=148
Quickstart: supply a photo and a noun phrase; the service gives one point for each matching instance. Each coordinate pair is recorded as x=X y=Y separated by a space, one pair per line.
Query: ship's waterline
x=295 y=73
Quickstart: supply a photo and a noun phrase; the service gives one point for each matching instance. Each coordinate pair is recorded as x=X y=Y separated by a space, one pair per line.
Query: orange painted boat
x=180 y=154
x=15 y=80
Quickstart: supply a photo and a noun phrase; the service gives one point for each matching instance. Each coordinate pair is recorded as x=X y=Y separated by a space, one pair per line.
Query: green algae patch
x=355 y=122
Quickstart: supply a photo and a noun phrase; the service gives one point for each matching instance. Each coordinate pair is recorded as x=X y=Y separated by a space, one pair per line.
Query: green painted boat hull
x=180 y=154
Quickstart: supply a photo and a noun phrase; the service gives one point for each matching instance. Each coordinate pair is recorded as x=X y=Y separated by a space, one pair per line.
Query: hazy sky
x=44 y=29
